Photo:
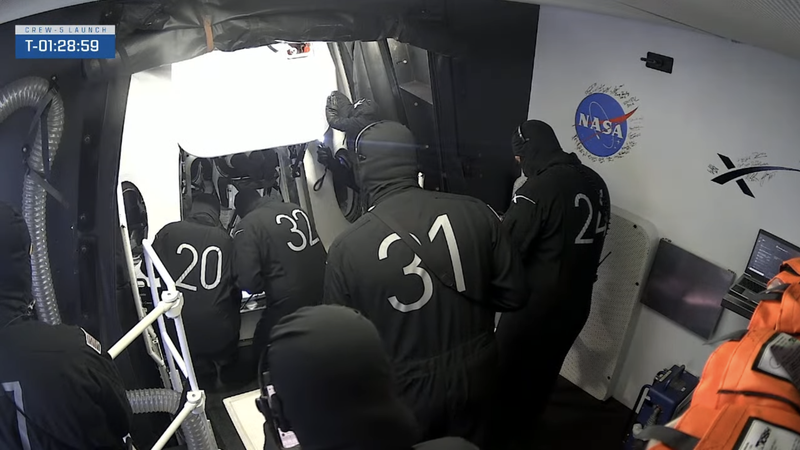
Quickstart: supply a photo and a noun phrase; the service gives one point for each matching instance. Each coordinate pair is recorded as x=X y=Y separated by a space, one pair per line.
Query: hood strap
x=361 y=133
x=40 y=118
x=419 y=250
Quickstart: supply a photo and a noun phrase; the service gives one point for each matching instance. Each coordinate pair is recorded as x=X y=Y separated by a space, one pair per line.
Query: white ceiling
x=769 y=24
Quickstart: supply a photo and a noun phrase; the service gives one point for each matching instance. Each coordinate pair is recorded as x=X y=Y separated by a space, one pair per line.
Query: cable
x=28 y=313
x=260 y=369
x=13 y=320
x=318 y=183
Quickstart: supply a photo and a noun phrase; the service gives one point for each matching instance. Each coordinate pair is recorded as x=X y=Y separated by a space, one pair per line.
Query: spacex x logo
x=737 y=174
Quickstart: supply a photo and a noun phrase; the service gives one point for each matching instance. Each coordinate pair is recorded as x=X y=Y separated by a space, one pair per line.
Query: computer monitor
x=769 y=252
x=686 y=289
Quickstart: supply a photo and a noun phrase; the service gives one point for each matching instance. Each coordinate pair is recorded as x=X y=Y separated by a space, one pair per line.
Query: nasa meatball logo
x=606 y=123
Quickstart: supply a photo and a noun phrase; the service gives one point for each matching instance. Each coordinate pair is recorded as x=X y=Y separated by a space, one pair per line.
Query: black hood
x=205 y=210
x=386 y=160
x=536 y=144
x=15 y=265
x=334 y=380
x=246 y=201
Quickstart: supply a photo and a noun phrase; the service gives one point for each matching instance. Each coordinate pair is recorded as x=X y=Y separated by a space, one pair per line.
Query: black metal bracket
x=658 y=62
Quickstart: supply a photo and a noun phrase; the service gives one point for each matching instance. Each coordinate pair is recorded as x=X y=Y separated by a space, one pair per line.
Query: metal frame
x=301 y=183
x=285 y=167
x=150 y=341
x=171 y=305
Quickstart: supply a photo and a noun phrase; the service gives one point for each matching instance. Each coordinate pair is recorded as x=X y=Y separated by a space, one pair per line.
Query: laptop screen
x=768 y=254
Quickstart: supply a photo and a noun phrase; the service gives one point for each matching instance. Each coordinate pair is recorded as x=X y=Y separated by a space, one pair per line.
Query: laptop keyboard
x=752 y=285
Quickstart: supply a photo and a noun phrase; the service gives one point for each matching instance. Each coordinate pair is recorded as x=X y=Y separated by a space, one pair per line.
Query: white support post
x=138 y=329
x=151 y=278
x=173 y=296
x=150 y=345
x=195 y=401
x=175 y=353
x=187 y=357
x=170 y=305
x=159 y=266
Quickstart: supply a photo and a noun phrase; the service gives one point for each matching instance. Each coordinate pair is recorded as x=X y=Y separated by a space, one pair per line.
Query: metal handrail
x=171 y=306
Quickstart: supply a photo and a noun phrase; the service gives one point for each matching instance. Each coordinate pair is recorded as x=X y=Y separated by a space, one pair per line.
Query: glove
x=338 y=109
x=344 y=116
x=325 y=156
x=343 y=156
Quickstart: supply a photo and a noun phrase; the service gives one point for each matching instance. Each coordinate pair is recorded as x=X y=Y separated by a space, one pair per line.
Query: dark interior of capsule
x=437 y=96
x=219 y=145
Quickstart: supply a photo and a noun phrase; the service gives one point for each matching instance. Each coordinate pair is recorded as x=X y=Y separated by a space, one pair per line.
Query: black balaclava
x=262 y=165
x=334 y=382
x=205 y=210
x=245 y=201
x=15 y=267
x=350 y=118
x=386 y=160
x=536 y=144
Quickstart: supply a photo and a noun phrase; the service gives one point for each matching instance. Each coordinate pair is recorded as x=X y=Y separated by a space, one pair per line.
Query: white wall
x=239 y=108
x=328 y=218
x=149 y=155
x=251 y=99
x=722 y=98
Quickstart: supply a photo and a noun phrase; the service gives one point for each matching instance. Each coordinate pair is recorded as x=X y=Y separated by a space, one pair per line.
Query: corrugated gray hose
x=28 y=92
x=196 y=428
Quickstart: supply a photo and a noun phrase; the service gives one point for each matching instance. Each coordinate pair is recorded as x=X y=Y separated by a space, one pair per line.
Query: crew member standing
x=199 y=254
x=430 y=270
x=60 y=389
x=558 y=221
x=279 y=253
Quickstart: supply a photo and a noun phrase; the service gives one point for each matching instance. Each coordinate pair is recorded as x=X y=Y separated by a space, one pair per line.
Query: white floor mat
x=247 y=419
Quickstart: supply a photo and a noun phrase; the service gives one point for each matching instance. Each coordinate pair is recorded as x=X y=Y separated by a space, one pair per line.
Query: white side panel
x=593 y=362
x=328 y=218
x=149 y=155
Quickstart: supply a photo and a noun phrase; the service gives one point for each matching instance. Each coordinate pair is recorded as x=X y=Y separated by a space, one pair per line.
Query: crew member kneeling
x=198 y=254
x=279 y=253
x=558 y=221
x=430 y=270
x=60 y=390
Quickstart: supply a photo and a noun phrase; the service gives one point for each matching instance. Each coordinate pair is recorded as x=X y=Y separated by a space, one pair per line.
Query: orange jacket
x=780 y=308
x=745 y=400
x=734 y=427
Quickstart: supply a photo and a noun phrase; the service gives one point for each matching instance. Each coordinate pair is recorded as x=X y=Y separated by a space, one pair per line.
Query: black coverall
x=340 y=394
x=199 y=256
x=558 y=221
x=280 y=254
x=436 y=316
x=60 y=389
